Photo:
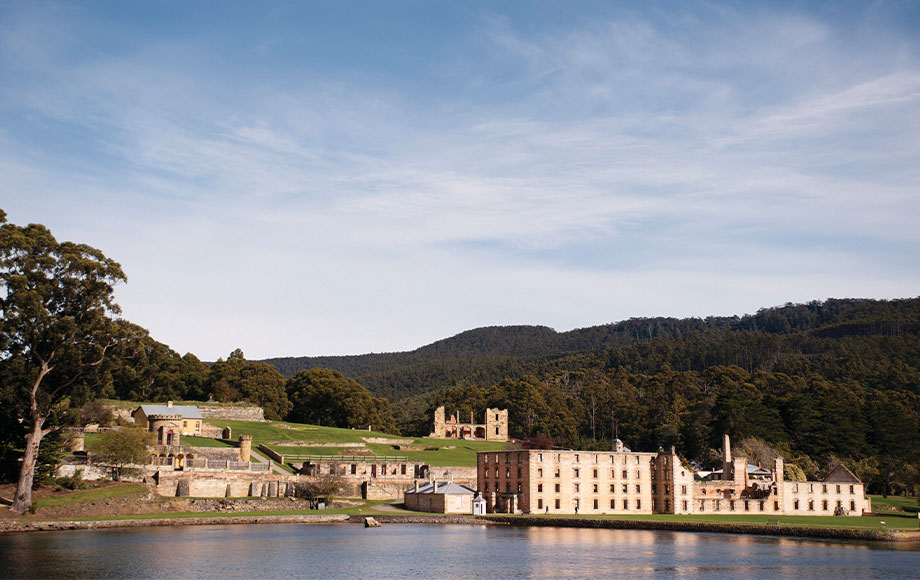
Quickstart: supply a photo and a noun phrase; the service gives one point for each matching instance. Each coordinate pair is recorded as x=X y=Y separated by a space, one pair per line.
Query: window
x=519 y=473
x=539 y=487
x=496 y=471
x=761 y=505
x=838 y=488
x=613 y=488
x=557 y=472
x=684 y=504
x=811 y=505
x=576 y=458
x=638 y=488
x=577 y=488
x=776 y=506
x=539 y=504
x=403 y=470
x=625 y=504
x=577 y=473
x=716 y=505
x=638 y=504
x=508 y=473
x=184 y=424
x=637 y=460
x=746 y=506
x=519 y=488
x=613 y=504
x=731 y=505
x=539 y=457
x=613 y=474
x=824 y=505
x=683 y=490
x=851 y=490
x=557 y=503
x=507 y=486
x=595 y=474
x=852 y=506
x=595 y=504
x=667 y=488
x=667 y=505
x=702 y=505
x=625 y=488
x=557 y=488
x=595 y=488
x=625 y=475
x=638 y=474
x=795 y=505
x=823 y=488
x=540 y=472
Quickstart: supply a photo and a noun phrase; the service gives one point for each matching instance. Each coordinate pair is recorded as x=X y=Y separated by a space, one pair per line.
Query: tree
x=323 y=487
x=56 y=327
x=123 y=447
x=259 y=383
x=326 y=397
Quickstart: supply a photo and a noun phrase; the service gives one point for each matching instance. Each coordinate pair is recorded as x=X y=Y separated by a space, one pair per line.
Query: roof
x=447 y=487
x=841 y=474
x=187 y=411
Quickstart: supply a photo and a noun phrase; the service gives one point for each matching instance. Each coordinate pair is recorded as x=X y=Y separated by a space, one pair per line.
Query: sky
x=343 y=177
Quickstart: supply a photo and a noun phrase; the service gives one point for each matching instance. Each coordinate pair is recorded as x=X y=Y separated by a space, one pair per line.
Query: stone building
x=495 y=427
x=369 y=478
x=442 y=497
x=568 y=482
x=626 y=482
x=174 y=419
x=740 y=487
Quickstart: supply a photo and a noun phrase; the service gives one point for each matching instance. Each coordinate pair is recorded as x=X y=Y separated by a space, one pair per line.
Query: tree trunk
x=23 y=500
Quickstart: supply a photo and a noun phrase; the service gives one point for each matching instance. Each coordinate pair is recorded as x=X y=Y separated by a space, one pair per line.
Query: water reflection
x=430 y=551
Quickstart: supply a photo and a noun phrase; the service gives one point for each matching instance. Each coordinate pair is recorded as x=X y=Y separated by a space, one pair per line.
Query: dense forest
x=822 y=382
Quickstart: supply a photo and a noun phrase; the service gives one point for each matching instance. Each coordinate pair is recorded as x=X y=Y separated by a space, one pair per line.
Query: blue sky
x=307 y=178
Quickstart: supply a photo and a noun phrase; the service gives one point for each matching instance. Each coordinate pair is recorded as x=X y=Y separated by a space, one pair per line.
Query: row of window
x=516 y=458
x=824 y=505
x=595 y=504
x=811 y=488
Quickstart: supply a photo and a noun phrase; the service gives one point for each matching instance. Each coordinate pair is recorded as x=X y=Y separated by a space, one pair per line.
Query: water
x=453 y=552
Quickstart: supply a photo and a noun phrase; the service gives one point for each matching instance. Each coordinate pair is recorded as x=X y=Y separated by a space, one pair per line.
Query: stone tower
x=440 y=426
x=166 y=427
x=245 y=448
x=496 y=424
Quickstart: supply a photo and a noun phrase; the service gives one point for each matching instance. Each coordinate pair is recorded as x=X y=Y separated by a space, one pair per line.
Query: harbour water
x=408 y=551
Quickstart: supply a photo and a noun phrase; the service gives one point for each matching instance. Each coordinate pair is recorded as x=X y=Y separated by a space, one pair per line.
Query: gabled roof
x=841 y=474
x=187 y=411
x=447 y=487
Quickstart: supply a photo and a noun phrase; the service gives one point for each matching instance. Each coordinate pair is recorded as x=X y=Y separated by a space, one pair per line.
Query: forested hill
x=790 y=336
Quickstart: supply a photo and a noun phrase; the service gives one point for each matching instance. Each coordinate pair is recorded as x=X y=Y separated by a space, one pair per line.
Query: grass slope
x=437 y=452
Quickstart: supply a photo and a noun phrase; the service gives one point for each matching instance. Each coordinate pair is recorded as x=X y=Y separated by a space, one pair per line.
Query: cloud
x=706 y=160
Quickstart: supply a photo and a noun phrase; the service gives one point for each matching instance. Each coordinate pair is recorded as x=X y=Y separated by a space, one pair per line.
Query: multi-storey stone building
x=626 y=482
x=557 y=481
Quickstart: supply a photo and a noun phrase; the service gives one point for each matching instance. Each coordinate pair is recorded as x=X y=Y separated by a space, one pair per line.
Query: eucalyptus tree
x=56 y=301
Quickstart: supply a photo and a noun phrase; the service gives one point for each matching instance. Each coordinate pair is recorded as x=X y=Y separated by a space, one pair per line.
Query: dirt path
x=275 y=467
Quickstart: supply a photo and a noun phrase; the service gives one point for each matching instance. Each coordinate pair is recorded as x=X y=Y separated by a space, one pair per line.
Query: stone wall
x=234 y=413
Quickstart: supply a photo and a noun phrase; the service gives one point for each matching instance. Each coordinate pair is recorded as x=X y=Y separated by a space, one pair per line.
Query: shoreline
x=892 y=536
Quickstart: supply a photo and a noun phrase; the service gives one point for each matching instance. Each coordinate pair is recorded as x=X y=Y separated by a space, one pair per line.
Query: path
x=275 y=467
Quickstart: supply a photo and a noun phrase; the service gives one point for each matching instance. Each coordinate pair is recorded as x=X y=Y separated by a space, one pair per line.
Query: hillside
x=790 y=336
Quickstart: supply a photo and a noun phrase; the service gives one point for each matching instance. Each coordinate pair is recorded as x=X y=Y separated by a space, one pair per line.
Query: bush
x=74 y=481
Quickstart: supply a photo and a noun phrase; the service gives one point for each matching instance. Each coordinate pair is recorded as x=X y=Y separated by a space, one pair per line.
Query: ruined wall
x=496 y=424
x=233 y=413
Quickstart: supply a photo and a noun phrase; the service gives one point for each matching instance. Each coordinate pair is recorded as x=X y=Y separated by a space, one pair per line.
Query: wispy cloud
x=614 y=165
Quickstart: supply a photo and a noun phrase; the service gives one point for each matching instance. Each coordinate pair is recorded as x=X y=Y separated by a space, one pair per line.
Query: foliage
x=324 y=487
x=325 y=397
x=97 y=412
x=237 y=379
x=57 y=305
x=123 y=447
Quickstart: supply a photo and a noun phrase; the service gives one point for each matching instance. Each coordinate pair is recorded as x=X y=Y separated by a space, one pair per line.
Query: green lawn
x=119 y=490
x=901 y=503
x=203 y=442
x=462 y=453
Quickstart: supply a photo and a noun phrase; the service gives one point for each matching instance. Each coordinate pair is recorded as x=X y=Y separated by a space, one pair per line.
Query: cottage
x=444 y=497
